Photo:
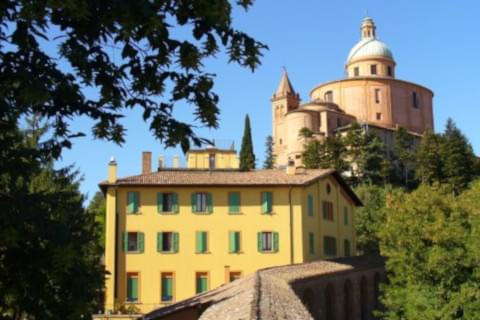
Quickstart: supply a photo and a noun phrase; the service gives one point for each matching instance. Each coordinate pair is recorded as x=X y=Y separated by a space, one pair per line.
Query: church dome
x=368 y=47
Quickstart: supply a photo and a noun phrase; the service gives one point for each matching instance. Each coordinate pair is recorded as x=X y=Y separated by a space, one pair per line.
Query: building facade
x=370 y=94
x=173 y=233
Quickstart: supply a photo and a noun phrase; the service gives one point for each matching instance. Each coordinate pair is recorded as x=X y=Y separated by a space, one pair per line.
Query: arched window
x=328 y=96
x=348 y=311
x=330 y=302
x=363 y=299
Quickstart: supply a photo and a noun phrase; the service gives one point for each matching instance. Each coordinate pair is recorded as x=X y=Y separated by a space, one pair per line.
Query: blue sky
x=435 y=44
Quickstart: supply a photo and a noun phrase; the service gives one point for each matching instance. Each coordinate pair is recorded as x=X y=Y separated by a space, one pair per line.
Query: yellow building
x=173 y=233
x=370 y=94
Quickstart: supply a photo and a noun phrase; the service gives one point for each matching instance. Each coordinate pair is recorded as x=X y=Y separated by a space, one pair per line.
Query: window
x=389 y=71
x=234 y=241
x=201 y=279
x=346 y=248
x=235 y=275
x=328 y=96
x=167 y=286
x=167 y=202
x=167 y=242
x=379 y=116
x=133 y=242
x=356 y=71
x=298 y=156
x=345 y=215
x=201 y=241
x=132 y=286
x=377 y=95
x=202 y=202
x=233 y=202
x=211 y=161
x=373 y=69
x=329 y=246
x=133 y=202
x=267 y=200
x=310 y=205
x=327 y=207
x=415 y=100
x=311 y=243
x=267 y=241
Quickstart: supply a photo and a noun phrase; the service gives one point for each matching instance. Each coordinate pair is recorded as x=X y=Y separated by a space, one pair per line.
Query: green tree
x=129 y=51
x=311 y=154
x=403 y=147
x=430 y=239
x=49 y=250
x=458 y=157
x=247 y=157
x=371 y=159
x=97 y=207
x=429 y=159
x=305 y=133
x=329 y=153
x=269 y=156
x=354 y=142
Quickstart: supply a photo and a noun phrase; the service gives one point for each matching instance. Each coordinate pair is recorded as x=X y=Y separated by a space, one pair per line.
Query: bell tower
x=368 y=28
x=284 y=100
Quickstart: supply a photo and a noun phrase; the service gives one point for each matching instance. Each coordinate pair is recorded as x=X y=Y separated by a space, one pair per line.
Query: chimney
x=112 y=170
x=161 y=162
x=146 y=162
x=291 y=170
x=176 y=162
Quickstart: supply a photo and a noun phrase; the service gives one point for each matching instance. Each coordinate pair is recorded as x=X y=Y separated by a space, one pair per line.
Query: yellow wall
x=224 y=159
x=218 y=260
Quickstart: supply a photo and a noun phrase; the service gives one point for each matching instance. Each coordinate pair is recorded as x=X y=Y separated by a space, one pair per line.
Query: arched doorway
x=308 y=300
x=363 y=298
x=348 y=311
x=330 y=302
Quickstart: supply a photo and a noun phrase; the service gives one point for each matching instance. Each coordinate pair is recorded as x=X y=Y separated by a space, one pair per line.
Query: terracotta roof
x=196 y=177
x=265 y=294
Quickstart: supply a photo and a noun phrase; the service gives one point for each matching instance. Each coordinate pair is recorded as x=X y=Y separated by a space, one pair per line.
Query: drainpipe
x=291 y=223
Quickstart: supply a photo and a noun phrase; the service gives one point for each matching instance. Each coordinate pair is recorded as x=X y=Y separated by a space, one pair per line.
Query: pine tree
x=269 y=156
x=459 y=159
x=247 y=157
x=429 y=159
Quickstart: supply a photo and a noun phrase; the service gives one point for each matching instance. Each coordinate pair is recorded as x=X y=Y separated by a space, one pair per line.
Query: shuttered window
x=132 y=286
x=267 y=202
x=330 y=246
x=167 y=242
x=327 y=208
x=234 y=241
x=267 y=241
x=133 y=242
x=202 y=202
x=310 y=205
x=311 y=243
x=133 y=202
x=201 y=279
x=233 y=202
x=167 y=286
x=167 y=202
x=201 y=241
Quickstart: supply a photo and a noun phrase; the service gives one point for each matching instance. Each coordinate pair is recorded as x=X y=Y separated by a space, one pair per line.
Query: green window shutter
x=310 y=204
x=231 y=242
x=175 y=202
x=176 y=241
x=311 y=243
x=237 y=241
x=267 y=198
x=130 y=202
x=132 y=289
x=202 y=284
x=234 y=202
x=194 y=202
x=209 y=203
x=135 y=202
x=264 y=202
x=200 y=242
x=159 y=202
x=125 y=241
x=269 y=202
x=259 y=241
x=159 y=242
x=275 y=241
x=141 y=242
x=167 y=288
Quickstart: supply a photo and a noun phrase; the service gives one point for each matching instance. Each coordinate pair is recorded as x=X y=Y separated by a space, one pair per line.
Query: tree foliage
x=133 y=53
x=97 y=207
x=269 y=156
x=404 y=151
x=247 y=157
x=329 y=153
x=49 y=252
x=431 y=240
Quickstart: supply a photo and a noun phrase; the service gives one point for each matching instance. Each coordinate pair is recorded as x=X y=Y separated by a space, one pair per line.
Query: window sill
x=268 y=213
x=235 y=213
x=208 y=252
x=167 y=213
x=201 y=213
x=268 y=252
x=167 y=252
x=236 y=252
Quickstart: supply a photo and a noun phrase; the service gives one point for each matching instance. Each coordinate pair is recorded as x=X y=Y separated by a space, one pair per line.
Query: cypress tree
x=269 y=157
x=247 y=157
